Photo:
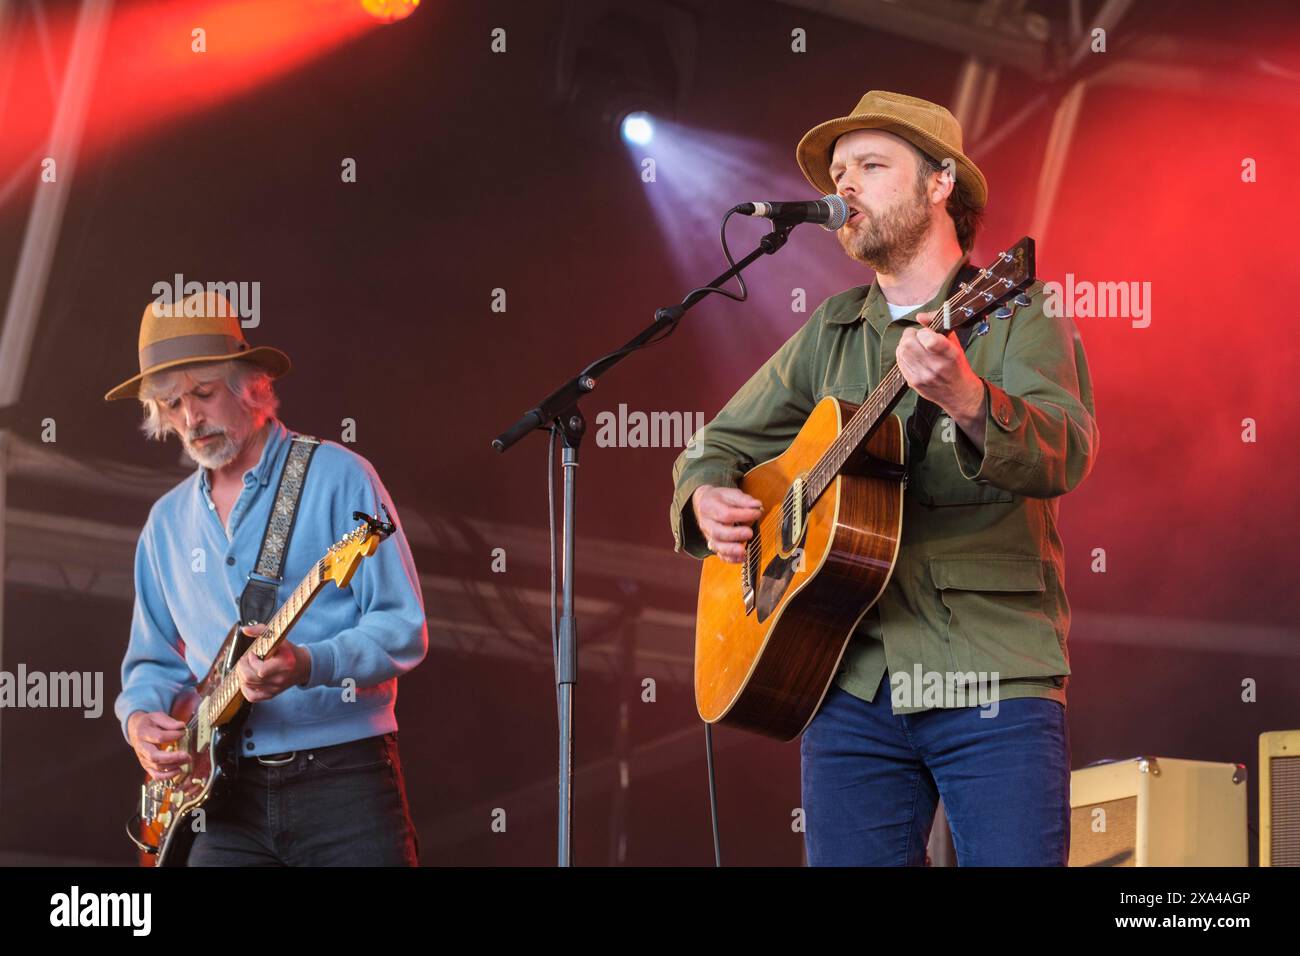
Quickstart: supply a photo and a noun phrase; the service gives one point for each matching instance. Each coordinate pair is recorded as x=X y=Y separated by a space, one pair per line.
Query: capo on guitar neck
x=381 y=528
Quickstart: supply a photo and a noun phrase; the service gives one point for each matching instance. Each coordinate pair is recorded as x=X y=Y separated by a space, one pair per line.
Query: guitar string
x=842 y=447
x=223 y=690
x=869 y=407
x=316 y=578
x=836 y=448
x=847 y=442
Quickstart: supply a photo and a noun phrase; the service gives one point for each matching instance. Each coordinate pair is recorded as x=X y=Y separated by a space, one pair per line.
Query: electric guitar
x=214 y=711
x=770 y=631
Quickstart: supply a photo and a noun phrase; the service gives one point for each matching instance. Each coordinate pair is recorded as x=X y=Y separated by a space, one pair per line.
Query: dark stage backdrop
x=470 y=179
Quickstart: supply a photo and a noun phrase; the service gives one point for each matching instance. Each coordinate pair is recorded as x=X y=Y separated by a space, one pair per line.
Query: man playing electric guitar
x=319 y=779
x=977 y=589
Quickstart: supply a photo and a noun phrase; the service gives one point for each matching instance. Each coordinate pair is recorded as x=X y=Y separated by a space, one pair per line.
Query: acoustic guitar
x=770 y=631
x=214 y=711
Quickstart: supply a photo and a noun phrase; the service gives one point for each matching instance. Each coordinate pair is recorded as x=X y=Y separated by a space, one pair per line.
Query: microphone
x=830 y=212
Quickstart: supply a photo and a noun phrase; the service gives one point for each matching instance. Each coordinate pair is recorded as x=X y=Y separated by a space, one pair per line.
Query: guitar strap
x=258 y=601
x=926 y=412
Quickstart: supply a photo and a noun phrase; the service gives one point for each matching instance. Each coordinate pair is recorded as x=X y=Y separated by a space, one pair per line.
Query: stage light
x=390 y=10
x=622 y=69
x=638 y=128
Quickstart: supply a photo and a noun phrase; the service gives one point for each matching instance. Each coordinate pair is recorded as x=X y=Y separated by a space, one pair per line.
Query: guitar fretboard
x=989 y=285
x=861 y=425
x=276 y=628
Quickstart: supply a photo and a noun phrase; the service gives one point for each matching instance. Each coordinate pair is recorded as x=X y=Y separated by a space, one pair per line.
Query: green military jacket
x=978 y=586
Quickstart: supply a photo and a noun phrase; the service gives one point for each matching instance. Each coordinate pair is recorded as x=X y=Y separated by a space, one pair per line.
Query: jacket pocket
x=997 y=615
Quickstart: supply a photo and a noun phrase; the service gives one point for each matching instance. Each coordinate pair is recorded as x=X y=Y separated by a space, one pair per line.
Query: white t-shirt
x=898 y=311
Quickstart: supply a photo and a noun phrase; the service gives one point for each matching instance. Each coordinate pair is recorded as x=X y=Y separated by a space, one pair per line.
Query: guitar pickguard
x=792 y=530
x=775 y=581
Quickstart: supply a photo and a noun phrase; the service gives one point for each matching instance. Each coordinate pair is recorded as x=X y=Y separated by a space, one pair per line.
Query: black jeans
x=343 y=805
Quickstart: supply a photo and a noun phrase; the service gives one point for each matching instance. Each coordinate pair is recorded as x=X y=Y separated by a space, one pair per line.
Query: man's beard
x=888 y=242
x=215 y=454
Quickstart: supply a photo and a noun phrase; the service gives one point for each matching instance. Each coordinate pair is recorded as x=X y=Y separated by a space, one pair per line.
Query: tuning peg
x=1008 y=308
x=982 y=326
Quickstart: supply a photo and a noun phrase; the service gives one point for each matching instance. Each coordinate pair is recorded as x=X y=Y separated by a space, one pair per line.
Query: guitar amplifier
x=1158 y=812
x=1279 y=798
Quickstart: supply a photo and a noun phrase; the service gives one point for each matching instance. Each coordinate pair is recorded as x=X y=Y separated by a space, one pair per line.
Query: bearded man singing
x=978 y=583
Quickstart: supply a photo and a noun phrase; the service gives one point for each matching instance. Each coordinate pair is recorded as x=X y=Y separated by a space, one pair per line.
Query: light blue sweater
x=189 y=574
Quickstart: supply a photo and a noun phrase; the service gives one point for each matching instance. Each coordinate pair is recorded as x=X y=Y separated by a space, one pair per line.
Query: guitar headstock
x=1001 y=284
x=341 y=560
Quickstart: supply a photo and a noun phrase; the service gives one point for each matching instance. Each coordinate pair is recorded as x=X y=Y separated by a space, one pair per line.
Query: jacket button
x=248 y=746
x=230 y=560
x=248 y=732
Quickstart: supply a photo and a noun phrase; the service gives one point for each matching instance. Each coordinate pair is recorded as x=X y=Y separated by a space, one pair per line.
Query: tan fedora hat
x=171 y=336
x=926 y=125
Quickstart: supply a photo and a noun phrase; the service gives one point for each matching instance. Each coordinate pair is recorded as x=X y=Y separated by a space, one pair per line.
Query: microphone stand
x=559 y=412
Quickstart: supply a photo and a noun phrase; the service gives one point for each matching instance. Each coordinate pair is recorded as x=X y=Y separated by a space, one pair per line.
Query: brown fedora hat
x=926 y=125
x=203 y=327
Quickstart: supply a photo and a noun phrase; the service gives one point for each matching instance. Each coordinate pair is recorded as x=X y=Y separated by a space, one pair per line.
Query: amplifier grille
x=1284 y=810
x=1116 y=845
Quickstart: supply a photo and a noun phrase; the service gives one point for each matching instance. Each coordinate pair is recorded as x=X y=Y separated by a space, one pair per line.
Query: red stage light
x=151 y=71
x=390 y=10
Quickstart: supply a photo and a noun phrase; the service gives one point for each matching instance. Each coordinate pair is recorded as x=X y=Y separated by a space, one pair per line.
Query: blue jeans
x=333 y=806
x=872 y=781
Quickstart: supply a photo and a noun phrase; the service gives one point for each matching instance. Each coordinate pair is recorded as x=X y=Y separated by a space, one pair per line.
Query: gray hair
x=250 y=384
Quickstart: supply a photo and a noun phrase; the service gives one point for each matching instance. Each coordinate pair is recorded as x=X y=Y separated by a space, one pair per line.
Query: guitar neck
x=281 y=622
x=859 y=428
x=223 y=701
x=286 y=616
x=1010 y=272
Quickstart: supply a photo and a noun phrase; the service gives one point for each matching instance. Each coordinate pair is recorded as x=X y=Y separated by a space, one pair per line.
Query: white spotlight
x=638 y=128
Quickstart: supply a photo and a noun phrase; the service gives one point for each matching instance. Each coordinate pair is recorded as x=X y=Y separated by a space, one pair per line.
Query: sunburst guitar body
x=770 y=632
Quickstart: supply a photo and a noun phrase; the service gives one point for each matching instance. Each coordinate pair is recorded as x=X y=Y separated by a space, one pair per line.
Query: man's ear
x=942 y=186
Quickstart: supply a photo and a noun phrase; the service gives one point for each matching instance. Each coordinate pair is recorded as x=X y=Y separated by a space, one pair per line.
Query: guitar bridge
x=151 y=800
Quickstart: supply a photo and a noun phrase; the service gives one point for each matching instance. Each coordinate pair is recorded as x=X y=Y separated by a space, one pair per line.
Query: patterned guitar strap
x=921 y=423
x=258 y=601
